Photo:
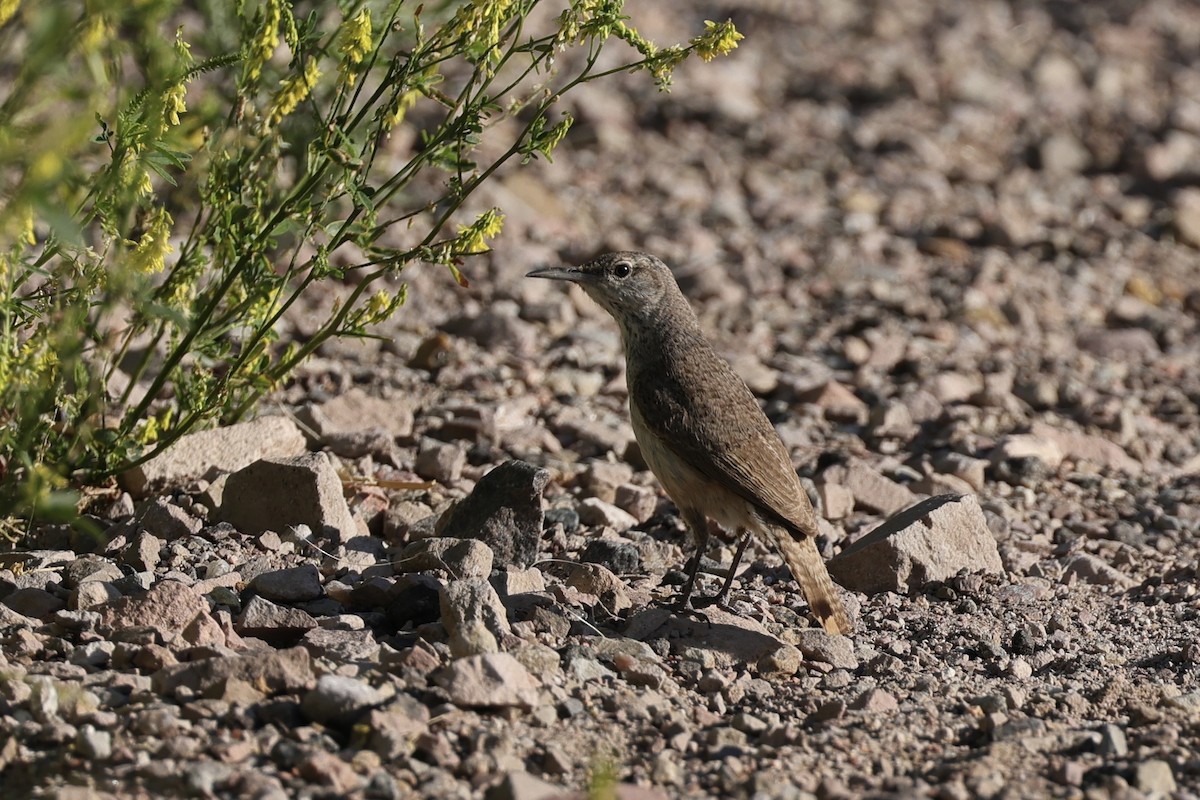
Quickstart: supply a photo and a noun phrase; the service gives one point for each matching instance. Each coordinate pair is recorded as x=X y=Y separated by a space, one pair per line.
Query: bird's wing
x=722 y=432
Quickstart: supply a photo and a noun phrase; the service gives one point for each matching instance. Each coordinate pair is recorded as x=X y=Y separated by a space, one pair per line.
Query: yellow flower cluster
x=7 y=9
x=150 y=253
x=718 y=39
x=479 y=24
x=395 y=115
x=293 y=90
x=174 y=103
x=473 y=238
x=354 y=44
x=265 y=40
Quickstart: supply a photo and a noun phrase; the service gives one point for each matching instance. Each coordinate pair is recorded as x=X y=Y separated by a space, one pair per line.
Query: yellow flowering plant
x=177 y=177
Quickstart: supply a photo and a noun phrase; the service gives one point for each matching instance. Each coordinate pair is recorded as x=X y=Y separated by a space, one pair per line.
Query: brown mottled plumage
x=701 y=430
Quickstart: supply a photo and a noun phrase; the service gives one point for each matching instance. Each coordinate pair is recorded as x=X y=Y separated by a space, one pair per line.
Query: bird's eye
x=622 y=269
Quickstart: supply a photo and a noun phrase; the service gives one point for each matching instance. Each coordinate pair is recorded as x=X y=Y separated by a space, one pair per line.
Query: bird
x=701 y=430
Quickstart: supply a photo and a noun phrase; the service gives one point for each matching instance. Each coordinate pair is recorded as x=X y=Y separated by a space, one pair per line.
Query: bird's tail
x=808 y=568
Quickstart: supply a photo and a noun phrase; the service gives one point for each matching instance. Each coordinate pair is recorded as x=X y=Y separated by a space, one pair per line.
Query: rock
x=340 y=702
x=514 y=581
x=600 y=581
x=93 y=744
x=293 y=585
x=270 y=671
x=600 y=479
x=1092 y=569
x=43 y=698
x=167 y=521
x=275 y=624
x=493 y=680
x=327 y=769
x=838 y=401
x=837 y=501
x=440 y=461
x=170 y=608
x=221 y=450
x=144 y=552
x=89 y=568
x=621 y=557
x=396 y=726
x=92 y=593
x=640 y=502
x=1187 y=215
x=355 y=411
x=462 y=558
x=1113 y=743
x=341 y=645
x=523 y=786
x=1019 y=446
x=783 y=661
x=1088 y=448
x=34 y=602
x=817 y=645
x=596 y=512
x=931 y=541
x=504 y=511
x=1121 y=344
x=274 y=494
x=1155 y=776
x=876 y=701
x=871 y=490
x=473 y=616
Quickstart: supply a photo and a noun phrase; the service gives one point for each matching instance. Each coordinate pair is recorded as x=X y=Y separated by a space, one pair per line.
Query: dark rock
x=504 y=511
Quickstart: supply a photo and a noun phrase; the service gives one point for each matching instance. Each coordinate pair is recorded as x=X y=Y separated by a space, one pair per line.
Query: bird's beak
x=572 y=274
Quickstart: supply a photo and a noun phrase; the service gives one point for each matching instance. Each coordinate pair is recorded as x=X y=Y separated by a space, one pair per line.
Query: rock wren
x=701 y=430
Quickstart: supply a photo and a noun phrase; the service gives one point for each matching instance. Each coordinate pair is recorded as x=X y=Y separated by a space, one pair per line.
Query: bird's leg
x=699 y=525
x=719 y=597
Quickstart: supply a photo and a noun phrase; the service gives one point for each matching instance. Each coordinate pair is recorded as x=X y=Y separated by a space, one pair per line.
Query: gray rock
x=271 y=671
x=493 y=680
x=92 y=744
x=170 y=608
x=473 y=616
x=143 y=553
x=1095 y=570
x=221 y=450
x=640 y=502
x=871 y=490
x=340 y=701
x=33 y=602
x=1113 y=743
x=932 y=541
x=462 y=558
x=600 y=479
x=167 y=521
x=293 y=585
x=89 y=568
x=395 y=727
x=440 y=461
x=596 y=512
x=1155 y=776
x=504 y=511
x=523 y=786
x=273 y=494
x=276 y=624
x=354 y=411
x=602 y=582
x=514 y=581
x=817 y=645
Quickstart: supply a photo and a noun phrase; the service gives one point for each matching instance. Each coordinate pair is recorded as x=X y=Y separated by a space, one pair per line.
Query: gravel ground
x=952 y=248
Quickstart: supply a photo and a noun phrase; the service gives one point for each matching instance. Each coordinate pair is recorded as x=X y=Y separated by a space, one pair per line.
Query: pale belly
x=687 y=486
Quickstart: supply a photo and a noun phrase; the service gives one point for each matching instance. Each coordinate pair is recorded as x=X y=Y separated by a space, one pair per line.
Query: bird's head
x=627 y=285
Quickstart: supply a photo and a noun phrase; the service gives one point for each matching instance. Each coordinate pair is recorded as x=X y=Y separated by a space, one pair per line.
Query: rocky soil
x=951 y=245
